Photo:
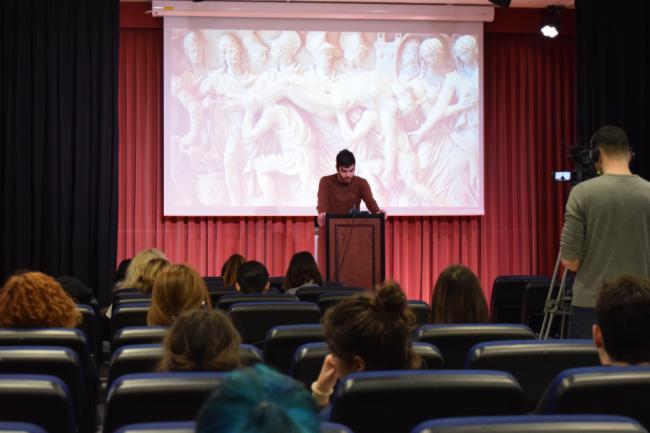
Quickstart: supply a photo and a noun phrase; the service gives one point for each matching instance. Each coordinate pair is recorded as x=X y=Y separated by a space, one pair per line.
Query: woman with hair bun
x=364 y=333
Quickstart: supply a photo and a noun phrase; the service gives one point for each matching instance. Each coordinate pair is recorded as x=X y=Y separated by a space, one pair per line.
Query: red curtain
x=529 y=123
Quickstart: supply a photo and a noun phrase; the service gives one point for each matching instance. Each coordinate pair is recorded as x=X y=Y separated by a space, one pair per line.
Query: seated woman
x=230 y=268
x=137 y=265
x=151 y=270
x=258 y=400
x=364 y=333
x=201 y=340
x=458 y=298
x=302 y=272
x=36 y=300
x=177 y=289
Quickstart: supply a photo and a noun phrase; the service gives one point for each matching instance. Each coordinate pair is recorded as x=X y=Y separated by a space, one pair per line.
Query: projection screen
x=256 y=109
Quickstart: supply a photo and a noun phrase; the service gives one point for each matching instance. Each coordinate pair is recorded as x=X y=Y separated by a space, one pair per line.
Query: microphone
x=353 y=208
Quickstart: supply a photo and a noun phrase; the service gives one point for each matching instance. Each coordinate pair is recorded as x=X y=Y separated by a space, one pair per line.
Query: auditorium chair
x=276 y=283
x=308 y=360
x=127 y=315
x=311 y=294
x=144 y=358
x=332 y=427
x=225 y=301
x=397 y=401
x=421 y=311
x=282 y=341
x=454 y=341
x=600 y=390
x=331 y=298
x=138 y=335
x=37 y=399
x=60 y=362
x=215 y=284
x=189 y=427
x=508 y=295
x=90 y=327
x=533 y=363
x=155 y=397
x=532 y=424
x=73 y=339
x=215 y=295
x=253 y=320
x=532 y=313
x=19 y=427
x=159 y=427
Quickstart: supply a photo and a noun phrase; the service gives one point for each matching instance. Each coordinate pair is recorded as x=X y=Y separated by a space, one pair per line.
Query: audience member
x=151 y=270
x=201 y=340
x=137 y=265
x=458 y=298
x=364 y=333
x=77 y=290
x=252 y=277
x=622 y=329
x=36 y=300
x=177 y=289
x=302 y=272
x=258 y=400
x=230 y=268
x=120 y=273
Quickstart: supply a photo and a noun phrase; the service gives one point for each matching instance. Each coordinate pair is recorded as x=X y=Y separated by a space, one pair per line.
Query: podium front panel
x=355 y=250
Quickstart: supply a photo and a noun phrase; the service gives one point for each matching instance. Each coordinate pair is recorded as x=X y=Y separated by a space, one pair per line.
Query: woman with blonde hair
x=36 y=300
x=137 y=265
x=458 y=298
x=177 y=289
x=201 y=340
x=150 y=272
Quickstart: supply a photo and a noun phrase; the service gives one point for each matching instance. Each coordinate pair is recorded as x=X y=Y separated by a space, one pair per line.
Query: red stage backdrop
x=529 y=118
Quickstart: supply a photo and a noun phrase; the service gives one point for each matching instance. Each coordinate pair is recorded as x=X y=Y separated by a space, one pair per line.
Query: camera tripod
x=558 y=305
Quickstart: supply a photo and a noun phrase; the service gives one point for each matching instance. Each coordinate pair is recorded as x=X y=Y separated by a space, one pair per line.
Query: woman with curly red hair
x=36 y=300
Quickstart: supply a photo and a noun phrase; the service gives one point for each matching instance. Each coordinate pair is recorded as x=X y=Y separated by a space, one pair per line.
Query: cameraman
x=606 y=229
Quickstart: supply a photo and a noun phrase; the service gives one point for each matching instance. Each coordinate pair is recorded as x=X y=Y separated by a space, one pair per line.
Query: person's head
x=302 y=270
x=252 y=277
x=230 y=51
x=465 y=50
x=194 y=47
x=354 y=47
x=371 y=332
x=201 y=340
x=230 y=268
x=36 y=300
x=150 y=272
x=177 y=289
x=285 y=47
x=458 y=298
x=258 y=400
x=77 y=290
x=622 y=329
x=612 y=142
x=345 y=165
x=137 y=265
x=410 y=53
x=431 y=51
x=323 y=51
x=120 y=272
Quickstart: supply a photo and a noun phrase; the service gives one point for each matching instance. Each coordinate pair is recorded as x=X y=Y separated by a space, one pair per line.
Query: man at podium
x=342 y=192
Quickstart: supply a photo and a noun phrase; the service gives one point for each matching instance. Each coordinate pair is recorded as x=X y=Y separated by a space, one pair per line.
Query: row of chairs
x=366 y=402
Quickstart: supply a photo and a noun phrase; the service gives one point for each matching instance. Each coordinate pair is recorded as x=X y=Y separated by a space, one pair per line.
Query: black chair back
x=128 y=315
x=508 y=296
x=421 y=311
x=311 y=294
x=225 y=301
x=282 y=342
x=156 y=397
x=454 y=341
x=89 y=325
x=329 y=299
x=253 y=320
x=138 y=335
x=533 y=363
x=397 y=401
x=38 y=399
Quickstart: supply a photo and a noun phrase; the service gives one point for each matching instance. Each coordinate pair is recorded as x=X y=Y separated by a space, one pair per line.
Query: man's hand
x=321 y=219
x=572 y=265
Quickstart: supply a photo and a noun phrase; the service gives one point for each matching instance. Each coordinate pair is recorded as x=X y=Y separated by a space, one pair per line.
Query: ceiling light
x=551 y=20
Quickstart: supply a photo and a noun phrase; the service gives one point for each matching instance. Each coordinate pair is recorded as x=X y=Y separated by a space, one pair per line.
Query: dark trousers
x=581 y=321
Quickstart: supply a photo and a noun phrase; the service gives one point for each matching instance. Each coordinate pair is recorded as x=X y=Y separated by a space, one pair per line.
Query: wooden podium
x=354 y=249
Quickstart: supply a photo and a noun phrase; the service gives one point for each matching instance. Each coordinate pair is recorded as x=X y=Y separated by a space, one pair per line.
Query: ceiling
x=515 y=3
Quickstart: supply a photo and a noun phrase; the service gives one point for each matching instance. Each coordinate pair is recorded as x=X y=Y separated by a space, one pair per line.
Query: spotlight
x=551 y=21
x=501 y=3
